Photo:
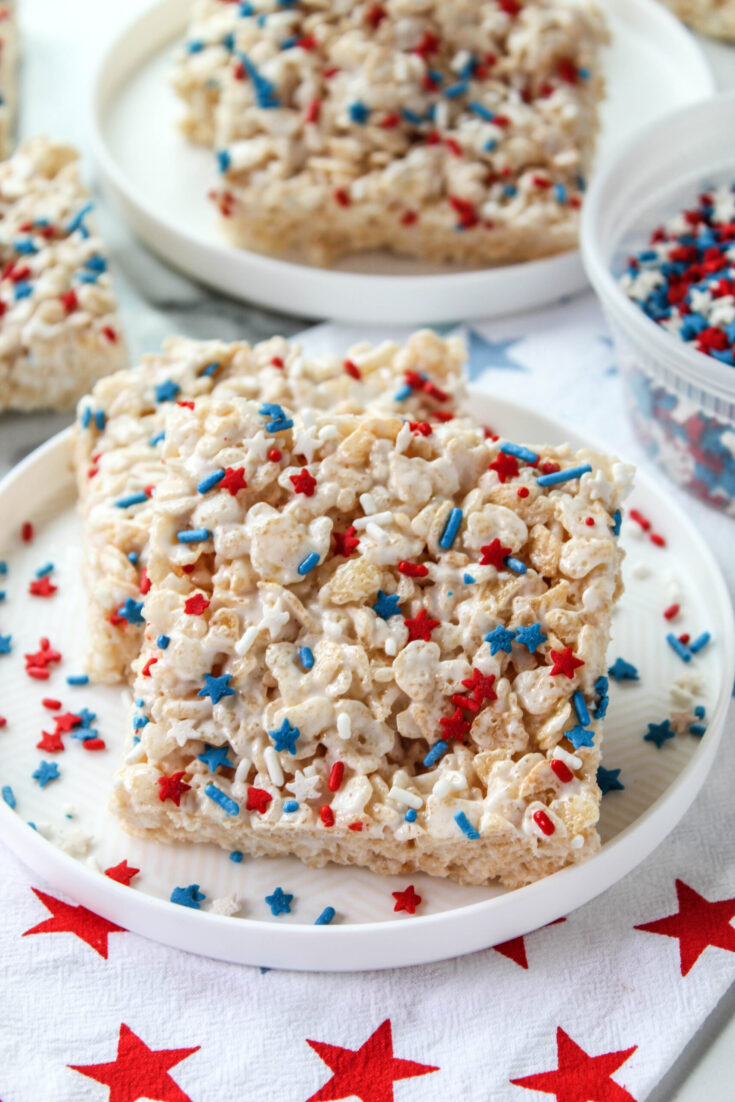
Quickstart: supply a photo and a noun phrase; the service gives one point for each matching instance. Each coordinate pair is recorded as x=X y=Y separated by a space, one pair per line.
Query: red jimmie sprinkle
x=3 y=722
x=543 y=822
x=409 y=218
x=69 y=301
x=671 y=612
x=355 y=826
x=523 y=491
x=52 y=705
x=685 y=638
x=326 y=815
x=336 y=774
x=352 y=369
x=277 y=361
x=562 y=771
x=311 y=114
x=341 y=197
x=26 y=532
x=413 y=569
x=644 y=522
x=659 y=541
x=94 y=744
x=146 y=671
x=145 y=582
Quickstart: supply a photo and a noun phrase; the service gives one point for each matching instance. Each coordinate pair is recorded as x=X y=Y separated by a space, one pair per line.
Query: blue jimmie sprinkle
x=580 y=707
x=454 y=91
x=468 y=579
x=133 y=557
x=556 y=477
x=435 y=753
x=697 y=729
x=77 y=679
x=405 y=392
x=211 y=481
x=86 y=417
x=516 y=565
x=290 y=806
x=678 y=647
x=466 y=826
x=411 y=116
x=700 y=642
x=44 y=570
x=359 y=112
x=193 y=535
x=25 y=246
x=23 y=290
x=195 y=46
x=236 y=856
x=3 y=567
x=210 y=369
x=100 y=419
x=227 y=804
x=617 y=521
x=451 y=528
x=77 y=222
x=560 y=193
x=131 y=499
x=265 y=92
x=325 y=917
x=480 y=109
x=307 y=658
x=162 y=642
x=411 y=815
x=8 y=795
x=157 y=439
x=307 y=565
x=223 y=160
x=700 y=711
x=490 y=145
x=519 y=452
x=139 y=722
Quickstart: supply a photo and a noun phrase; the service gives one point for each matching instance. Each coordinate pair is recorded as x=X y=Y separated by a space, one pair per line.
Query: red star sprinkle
x=234 y=480
x=172 y=788
x=345 y=542
x=698 y=923
x=421 y=627
x=565 y=662
x=138 y=1071
x=481 y=686
x=122 y=873
x=407 y=900
x=43 y=657
x=67 y=722
x=196 y=605
x=367 y=1073
x=420 y=428
x=455 y=727
x=42 y=587
x=494 y=554
x=304 y=483
x=579 y=1077
x=67 y=919
x=258 y=800
x=51 y=743
x=506 y=466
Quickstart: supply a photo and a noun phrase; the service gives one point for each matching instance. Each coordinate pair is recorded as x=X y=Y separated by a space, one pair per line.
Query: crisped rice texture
x=449 y=130
x=8 y=75
x=119 y=439
x=59 y=328
x=715 y=17
x=336 y=620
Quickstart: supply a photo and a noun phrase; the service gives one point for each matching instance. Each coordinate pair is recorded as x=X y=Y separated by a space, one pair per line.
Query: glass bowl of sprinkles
x=658 y=244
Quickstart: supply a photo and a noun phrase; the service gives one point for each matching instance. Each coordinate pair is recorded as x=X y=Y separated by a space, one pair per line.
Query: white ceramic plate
x=160 y=182
x=659 y=784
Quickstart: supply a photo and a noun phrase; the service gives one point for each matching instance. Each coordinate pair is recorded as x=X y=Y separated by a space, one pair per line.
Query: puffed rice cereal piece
x=119 y=438
x=443 y=718
x=8 y=75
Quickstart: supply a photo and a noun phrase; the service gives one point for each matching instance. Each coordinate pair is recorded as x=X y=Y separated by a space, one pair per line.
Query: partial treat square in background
x=450 y=131
x=715 y=17
x=390 y=655
x=119 y=440
x=59 y=327
x=8 y=75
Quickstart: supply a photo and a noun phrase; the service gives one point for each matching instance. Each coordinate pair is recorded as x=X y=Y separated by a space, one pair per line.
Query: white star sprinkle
x=274 y=617
x=305 y=788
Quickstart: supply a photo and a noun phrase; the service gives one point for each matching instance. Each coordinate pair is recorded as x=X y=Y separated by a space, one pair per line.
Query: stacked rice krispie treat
x=59 y=328
x=120 y=435
x=8 y=75
x=373 y=641
x=715 y=17
x=449 y=130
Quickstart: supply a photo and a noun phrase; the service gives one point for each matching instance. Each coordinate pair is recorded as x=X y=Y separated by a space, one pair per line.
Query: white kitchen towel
x=592 y=1009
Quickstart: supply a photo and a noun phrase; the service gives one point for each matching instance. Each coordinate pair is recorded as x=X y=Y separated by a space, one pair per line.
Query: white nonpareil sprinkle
x=403 y=796
x=344 y=726
x=273 y=765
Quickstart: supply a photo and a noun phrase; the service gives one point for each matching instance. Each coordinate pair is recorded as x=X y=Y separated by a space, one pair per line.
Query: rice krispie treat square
x=8 y=75
x=59 y=328
x=449 y=130
x=120 y=432
x=389 y=653
x=715 y=17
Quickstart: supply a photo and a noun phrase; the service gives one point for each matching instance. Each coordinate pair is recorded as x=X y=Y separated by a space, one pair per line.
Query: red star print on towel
x=515 y=949
x=579 y=1077
x=138 y=1071
x=698 y=923
x=421 y=627
x=67 y=919
x=234 y=480
x=494 y=554
x=368 y=1073
x=566 y=662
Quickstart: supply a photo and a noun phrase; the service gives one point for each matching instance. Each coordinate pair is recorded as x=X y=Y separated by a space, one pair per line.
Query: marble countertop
x=61 y=42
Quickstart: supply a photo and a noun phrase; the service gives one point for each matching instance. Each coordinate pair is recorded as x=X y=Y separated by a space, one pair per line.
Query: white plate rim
x=253 y=276
x=397 y=943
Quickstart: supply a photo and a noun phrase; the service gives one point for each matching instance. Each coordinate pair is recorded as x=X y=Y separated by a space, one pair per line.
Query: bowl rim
x=696 y=367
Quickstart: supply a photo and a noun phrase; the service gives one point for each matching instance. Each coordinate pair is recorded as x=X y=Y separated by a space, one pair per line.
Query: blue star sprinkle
x=216 y=756
x=359 y=112
x=608 y=781
x=386 y=606
x=87 y=717
x=47 y=771
x=188 y=897
x=279 y=902
x=500 y=638
x=216 y=687
x=580 y=736
x=659 y=733
x=530 y=637
x=132 y=611
x=285 y=737
x=5 y=641
x=167 y=391
x=228 y=805
x=623 y=671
